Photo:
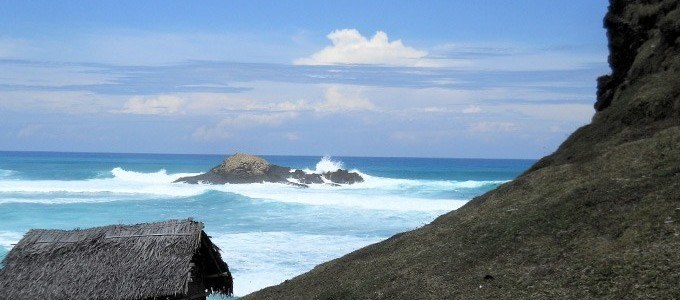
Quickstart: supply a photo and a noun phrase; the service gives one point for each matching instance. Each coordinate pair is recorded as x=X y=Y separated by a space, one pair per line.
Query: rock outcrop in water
x=246 y=168
x=599 y=218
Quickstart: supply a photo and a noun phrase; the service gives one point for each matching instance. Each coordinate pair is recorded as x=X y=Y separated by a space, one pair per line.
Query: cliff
x=600 y=217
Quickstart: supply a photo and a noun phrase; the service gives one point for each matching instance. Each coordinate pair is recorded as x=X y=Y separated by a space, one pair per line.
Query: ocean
x=267 y=232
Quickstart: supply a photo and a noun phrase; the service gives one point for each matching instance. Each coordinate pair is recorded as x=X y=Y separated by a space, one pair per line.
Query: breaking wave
x=263 y=259
x=374 y=193
x=326 y=164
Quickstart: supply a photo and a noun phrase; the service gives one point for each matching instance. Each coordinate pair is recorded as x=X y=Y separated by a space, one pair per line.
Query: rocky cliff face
x=599 y=218
x=246 y=168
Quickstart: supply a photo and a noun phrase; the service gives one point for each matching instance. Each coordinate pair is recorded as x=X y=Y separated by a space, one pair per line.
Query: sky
x=465 y=79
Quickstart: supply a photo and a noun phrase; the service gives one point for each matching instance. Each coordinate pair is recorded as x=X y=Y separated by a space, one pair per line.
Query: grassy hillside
x=600 y=217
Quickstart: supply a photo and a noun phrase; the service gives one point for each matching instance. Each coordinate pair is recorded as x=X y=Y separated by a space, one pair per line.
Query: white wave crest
x=326 y=164
x=156 y=177
x=123 y=183
x=397 y=183
x=9 y=238
x=346 y=196
x=376 y=193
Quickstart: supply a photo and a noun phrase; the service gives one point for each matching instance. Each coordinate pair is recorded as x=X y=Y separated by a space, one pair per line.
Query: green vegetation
x=599 y=218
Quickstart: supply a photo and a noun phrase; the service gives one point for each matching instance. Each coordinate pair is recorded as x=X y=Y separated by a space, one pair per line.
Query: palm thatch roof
x=162 y=260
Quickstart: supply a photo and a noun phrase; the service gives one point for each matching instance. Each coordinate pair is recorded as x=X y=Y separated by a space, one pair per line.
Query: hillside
x=600 y=217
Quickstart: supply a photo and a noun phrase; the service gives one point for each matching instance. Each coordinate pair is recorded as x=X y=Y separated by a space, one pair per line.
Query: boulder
x=306 y=178
x=241 y=168
x=343 y=177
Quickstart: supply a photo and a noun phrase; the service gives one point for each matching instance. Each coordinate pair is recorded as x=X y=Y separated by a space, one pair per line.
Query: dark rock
x=605 y=92
x=306 y=178
x=241 y=168
x=296 y=184
x=245 y=168
x=343 y=177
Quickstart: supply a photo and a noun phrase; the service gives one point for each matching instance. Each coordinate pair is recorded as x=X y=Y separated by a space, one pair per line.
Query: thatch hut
x=165 y=260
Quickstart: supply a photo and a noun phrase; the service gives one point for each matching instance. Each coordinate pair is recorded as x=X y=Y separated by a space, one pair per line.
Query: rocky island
x=245 y=168
x=597 y=219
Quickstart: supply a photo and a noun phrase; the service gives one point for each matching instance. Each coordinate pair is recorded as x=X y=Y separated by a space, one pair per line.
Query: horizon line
x=229 y=154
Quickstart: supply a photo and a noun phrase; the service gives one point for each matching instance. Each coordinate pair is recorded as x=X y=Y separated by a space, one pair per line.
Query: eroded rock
x=246 y=168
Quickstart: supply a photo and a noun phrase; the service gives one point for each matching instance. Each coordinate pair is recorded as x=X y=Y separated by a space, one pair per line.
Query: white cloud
x=454 y=99
x=343 y=99
x=29 y=130
x=211 y=103
x=472 y=109
x=555 y=128
x=544 y=61
x=493 y=127
x=212 y=133
x=145 y=48
x=299 y=105
x=256 y=120
x=431 y=109
x=569 y=112
x=231 y=125
x=292 y=136
x=13 y=47
x=495 y=56
x=52 y=75
x=350 y=47
x=70 y=102
x=158 y=105
x=206 y=104
x=404 y=136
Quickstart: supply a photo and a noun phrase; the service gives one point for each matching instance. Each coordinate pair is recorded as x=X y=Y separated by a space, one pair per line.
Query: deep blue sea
x=267 y=232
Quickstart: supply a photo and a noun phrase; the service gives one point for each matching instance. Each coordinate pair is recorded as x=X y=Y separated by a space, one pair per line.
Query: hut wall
x=196 y=287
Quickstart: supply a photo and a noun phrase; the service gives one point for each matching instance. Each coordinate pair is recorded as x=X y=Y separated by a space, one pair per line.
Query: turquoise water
x=267 y=232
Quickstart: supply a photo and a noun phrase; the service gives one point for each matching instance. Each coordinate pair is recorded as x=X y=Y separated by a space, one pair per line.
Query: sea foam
x=259 y=259
x=326 y=164
x=8 y=239
x=123 y=182
x=354 y=197
x=374 y=193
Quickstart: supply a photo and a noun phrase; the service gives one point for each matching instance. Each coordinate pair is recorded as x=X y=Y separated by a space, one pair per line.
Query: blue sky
x=489 y=79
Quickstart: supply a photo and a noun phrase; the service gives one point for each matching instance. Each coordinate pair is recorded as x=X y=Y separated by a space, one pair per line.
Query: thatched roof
x=143 y=261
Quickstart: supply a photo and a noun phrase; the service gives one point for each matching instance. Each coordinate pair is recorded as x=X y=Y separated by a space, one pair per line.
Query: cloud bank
x=339 y=99
x=160 y=105
x=351 y=48
x=229 y=126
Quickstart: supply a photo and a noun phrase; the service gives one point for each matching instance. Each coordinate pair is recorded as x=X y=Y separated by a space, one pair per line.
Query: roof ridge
x=148 y=224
